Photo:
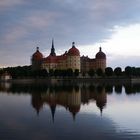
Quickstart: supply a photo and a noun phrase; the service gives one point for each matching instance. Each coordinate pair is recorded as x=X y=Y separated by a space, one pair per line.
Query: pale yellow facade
x=70 y=62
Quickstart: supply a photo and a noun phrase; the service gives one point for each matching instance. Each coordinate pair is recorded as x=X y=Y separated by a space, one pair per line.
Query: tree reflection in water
x=70 y=96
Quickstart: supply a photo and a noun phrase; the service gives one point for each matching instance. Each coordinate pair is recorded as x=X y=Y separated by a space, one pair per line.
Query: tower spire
x=37 y=48
x=74 y=116
x=53 y=49
x=100 y=49
x=73 y=44
x=52 y=43
x=53 y=108
x=101 y=111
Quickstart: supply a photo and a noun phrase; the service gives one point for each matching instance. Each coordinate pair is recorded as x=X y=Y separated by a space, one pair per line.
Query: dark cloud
x=4 y=4
x=23 y=23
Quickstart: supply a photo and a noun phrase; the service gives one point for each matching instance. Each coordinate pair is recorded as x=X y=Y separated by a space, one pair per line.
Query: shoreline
x=103 y=80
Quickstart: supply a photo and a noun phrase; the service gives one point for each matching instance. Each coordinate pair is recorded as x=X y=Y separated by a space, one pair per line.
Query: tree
x=138 y=71
x=109 y=71
x=57 y=73
x=128 y=71
x=69 y=72
x=109 y=88
x=91 y=72
x=99 y=72
x=76 y=73
x=63 y=73
x=118 y=88
x=118 y=71
x=44 y=73
x=51 y=72
x=19 y=71
x=83 y=74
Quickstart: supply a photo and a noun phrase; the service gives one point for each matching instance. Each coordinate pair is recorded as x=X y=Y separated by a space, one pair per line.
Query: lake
x=69 y=111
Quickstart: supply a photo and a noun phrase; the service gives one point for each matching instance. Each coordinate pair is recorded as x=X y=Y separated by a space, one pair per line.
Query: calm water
x=69 y=112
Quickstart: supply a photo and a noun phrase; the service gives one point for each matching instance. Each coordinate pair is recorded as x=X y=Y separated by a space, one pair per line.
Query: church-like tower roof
x=100 y=54
x=53 y=49
x=73 y=51
x=37 y=55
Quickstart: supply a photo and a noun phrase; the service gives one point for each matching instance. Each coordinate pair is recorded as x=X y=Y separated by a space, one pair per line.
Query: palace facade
x=69 y=60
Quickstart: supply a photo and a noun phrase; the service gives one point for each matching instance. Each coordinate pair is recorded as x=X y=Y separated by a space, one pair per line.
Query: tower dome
x=37 y=55
x=73 y=51
x=100 y=54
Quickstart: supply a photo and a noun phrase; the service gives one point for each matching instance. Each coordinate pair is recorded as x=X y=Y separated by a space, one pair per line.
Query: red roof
x=54 y=59
x=100 y=54
x=73 y=51
x=51 y=59
x=37 y=55
x=61 y=57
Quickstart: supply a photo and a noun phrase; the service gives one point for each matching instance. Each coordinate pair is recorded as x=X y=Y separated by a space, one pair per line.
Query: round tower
x=36 y=59
x=73 y=58
x=100 y=60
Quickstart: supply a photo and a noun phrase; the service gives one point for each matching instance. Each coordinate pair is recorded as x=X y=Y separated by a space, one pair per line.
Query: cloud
x=21 y=37
x=87 y=22
x=39 y=20
x=10 y=3
x=27 y=27
x=13 y=35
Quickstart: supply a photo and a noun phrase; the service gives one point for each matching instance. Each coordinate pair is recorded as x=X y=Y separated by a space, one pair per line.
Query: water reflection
x=70 y=97
x=43 y=87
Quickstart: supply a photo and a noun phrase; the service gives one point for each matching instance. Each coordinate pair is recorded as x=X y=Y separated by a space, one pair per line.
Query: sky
x=112 y=24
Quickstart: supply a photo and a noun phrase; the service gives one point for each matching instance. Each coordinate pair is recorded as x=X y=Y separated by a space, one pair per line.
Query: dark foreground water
x=69 y=112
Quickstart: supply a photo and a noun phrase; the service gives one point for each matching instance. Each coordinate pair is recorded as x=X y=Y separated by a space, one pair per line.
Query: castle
x=71 y=59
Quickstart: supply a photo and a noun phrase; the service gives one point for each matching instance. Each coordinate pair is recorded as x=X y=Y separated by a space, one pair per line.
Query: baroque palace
x=71 y=59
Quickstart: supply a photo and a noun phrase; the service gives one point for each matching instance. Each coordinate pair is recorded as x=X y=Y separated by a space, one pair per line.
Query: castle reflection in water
x=71 y=99
x=69 y=96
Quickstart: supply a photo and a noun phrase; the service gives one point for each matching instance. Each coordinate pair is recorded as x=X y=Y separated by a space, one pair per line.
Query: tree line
x=28 y=72
x=118 y=72
x=44 y=87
